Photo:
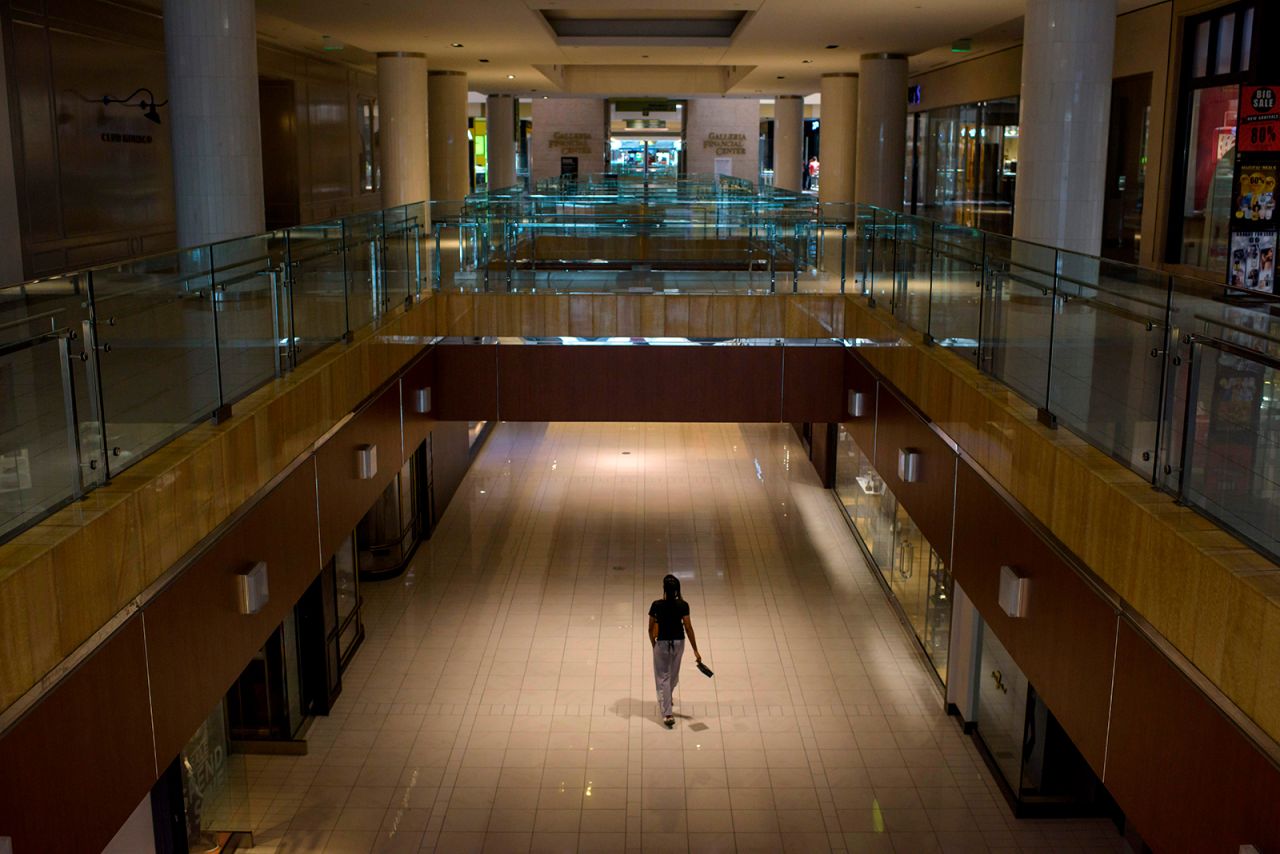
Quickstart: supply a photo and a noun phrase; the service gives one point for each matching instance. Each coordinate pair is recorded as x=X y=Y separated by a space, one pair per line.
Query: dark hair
x=670 y=587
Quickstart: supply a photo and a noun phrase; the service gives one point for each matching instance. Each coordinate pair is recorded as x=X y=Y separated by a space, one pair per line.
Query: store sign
x=571 y=143
x=726 y=143
x=1259 y=119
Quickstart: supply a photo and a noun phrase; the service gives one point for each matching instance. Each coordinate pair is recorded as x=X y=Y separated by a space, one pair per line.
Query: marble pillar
x=837 y=140
x=788 y=135
x=500 y=116
x=402 y=127
x=211 y=49
x=449 y=154
x=882 y=130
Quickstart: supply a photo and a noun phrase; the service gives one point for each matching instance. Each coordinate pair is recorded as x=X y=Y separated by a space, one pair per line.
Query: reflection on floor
x=503 y=700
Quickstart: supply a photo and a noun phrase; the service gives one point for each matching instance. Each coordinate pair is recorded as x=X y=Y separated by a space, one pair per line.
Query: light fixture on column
x=147 y=104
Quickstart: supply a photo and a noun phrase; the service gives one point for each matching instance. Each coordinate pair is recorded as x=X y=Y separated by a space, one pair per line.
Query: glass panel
x=346 y=581
x=1200 y=56
x=39 y=433
x=1211 y=154
x=968 y=164
x=317 y=287
x=1108 y=337
x=1246 y=40
x=915 y=255
x=251 y=312
x=922 y=586
x=955 y=307
x=155 y=328
x=1017 y=314
x=362 y=249
x=215 y=785
x=869 y=506
x=1002 y=707
x=1233 y=462
x=1226 y=41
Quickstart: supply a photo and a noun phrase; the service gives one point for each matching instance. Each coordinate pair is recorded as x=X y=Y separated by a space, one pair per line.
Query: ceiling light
x=455 y=44
x=832 y=46
x=806 y=62
x=782 y=77
x=484 y=60
x=511 y=77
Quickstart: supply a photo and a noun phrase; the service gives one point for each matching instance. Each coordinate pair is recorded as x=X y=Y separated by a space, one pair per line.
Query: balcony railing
x=1175 y=377
x=100 y=367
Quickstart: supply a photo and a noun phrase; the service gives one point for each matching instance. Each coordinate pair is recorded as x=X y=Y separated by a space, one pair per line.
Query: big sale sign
x=1259 y=119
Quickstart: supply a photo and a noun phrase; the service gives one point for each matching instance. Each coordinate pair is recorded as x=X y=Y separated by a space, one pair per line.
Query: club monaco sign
x=726 y=143
x=571 y=143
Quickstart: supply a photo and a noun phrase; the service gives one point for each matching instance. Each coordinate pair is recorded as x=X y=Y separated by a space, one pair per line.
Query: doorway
x=648 y=159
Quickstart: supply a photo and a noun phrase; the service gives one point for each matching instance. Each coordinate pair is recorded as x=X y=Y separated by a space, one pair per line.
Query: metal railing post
x=1045 y=413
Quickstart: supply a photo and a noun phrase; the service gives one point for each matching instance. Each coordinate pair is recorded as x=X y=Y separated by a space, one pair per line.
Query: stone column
x=788 y=131
x=1068 y=48
x=402 y=127
x=447 y=135
x=882 y=130
x=211 y=49
x=501 y=118
x=837 y=138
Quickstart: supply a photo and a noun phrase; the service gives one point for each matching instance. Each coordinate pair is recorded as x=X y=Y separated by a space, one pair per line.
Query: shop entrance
x=647 y=159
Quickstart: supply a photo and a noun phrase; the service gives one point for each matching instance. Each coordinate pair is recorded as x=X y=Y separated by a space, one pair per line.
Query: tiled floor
x=503 y=700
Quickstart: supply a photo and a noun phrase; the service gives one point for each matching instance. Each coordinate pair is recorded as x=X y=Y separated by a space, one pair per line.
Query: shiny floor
x=504 y=698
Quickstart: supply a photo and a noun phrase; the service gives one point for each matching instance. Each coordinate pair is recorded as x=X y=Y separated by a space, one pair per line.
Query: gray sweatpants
x=666 y=671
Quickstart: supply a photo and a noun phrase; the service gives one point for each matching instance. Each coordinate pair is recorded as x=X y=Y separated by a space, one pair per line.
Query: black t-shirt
x=670 y=614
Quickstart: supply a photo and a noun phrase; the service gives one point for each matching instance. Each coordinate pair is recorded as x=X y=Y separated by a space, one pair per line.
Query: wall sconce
x=147 y=104
x=422 y=401
x=1014 y=589
x=366 y=461
x=857 y=404
x=908 y=465
x=251 y=589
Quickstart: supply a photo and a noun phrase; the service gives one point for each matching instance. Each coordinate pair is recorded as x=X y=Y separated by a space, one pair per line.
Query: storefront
x=1221 y=52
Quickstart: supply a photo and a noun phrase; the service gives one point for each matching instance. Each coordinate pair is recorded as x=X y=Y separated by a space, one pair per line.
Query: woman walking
x=668 y=625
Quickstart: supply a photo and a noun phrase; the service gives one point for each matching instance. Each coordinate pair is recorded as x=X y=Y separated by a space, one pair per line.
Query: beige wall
x=567 y=116
x=707 y=116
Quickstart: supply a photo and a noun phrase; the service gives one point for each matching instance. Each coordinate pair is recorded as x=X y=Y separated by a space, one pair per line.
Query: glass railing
x=103 y=366
x=1176 y=378
x=1172 y=376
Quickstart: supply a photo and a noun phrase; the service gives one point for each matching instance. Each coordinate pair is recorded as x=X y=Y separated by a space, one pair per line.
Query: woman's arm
x=693 y=642
x=653 y=631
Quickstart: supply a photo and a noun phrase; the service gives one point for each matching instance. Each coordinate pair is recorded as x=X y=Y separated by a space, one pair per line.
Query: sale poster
x=1253 y=261
x=1259 y=119
x=1254 y=200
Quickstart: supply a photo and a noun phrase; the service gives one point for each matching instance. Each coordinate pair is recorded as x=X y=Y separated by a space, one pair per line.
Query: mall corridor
x=503 y=698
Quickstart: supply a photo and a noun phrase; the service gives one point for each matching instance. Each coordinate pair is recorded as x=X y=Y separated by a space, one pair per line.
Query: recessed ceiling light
x=544 y=97
x=455 y=44
x=807 y=61
x=644 y=56
x=484 y=60
x=832 y=46
x=782 y=77
x=511 y=77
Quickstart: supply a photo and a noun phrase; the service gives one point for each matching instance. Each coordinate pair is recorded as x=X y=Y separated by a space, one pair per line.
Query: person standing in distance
x=668 y=624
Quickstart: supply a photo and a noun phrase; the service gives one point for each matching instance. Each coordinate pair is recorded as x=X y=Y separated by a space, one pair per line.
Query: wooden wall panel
x=813 y=383
x=197 y=639
x=75 y=767
x=450 y=458
x=344 y=497
x=466 y=382
x=929 y=500
x=1066 y=642
x=859 y=378
x=1185 y=776
x=648 y=383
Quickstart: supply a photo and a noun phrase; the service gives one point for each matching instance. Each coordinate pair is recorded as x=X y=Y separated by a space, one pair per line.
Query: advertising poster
x=1259 y=119
x=1253 y=202
x=1253 y=260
